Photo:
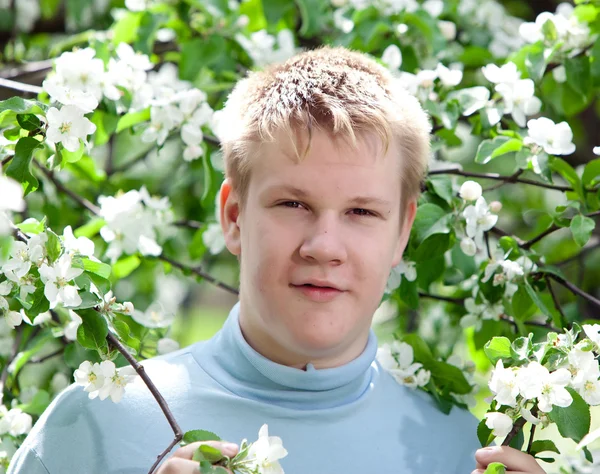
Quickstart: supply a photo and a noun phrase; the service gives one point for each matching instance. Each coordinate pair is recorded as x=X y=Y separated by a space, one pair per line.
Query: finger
x=513 y=459
x=177 y=465
x=187 y=452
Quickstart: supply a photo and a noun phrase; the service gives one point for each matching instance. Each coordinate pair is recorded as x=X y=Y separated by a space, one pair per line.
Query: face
x=316 y=239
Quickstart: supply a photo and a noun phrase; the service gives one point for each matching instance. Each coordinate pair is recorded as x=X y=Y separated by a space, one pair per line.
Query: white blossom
x=77 y=245
x=68 y=126
x=56 y=279
x=398 y=359
x=448 y=29
x=555 y=139
x=499 y=423
x=166 y=345
x=264 y=454
x=261 y=46
x=467 y=245
x=13 y=318
x=519 y=99
x=91 y=377
x=24 y=255
x=535 y=381
x=593 y=332
x=72 y=326
x=213 y=238
x=392 y=57
x=505 y=74
x=11 y=200
x=471 y=99
x=448 y=77
x=14 y=422
x=470 y=191
x=559 y=74
x=115 y=380
x=341 y=22
x=404 y=268
x=479 y=219
x=155 y=316
x=503 y=385
x=596 y=150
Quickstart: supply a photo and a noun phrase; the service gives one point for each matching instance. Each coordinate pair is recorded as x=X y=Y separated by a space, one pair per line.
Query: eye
x=291 y=204
x=363 y=212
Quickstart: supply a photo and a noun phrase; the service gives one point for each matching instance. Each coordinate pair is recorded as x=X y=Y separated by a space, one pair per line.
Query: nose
x=323 y=242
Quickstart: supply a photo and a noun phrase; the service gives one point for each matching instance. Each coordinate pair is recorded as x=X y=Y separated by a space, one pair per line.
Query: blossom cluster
x=134 y=221
x=398 y=359
x=520 y=388
x=104 y=379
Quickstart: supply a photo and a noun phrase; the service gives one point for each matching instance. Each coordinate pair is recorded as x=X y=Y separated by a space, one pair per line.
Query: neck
x=262 y=342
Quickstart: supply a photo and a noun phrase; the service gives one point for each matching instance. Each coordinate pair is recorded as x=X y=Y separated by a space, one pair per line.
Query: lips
x=319 y=292
x=318 y=284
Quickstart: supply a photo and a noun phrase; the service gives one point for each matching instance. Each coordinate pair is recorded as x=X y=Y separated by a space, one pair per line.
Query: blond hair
x=331 y=89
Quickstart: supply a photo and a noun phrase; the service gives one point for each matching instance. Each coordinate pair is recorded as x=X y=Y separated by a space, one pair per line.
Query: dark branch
x=527 y=245
x=155 y=393
x=78 y=199
x=574 y=289
x=198 y=271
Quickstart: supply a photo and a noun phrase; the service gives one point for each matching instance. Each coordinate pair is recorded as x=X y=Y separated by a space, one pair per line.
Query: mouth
x=317 y=287
x=321 y=293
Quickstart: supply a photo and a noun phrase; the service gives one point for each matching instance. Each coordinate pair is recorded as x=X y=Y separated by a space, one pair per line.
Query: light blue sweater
x=353 y=419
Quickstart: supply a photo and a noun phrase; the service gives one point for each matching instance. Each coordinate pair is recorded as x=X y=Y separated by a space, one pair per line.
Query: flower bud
x=499 y=423
x=495 y=206
x=468 y=246
x=448 y=29
x=470 y=191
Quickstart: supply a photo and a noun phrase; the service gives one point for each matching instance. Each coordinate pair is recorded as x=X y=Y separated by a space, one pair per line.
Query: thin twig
x=574 y=289
x=46 y=357
x=555 y=299
x=189 y=223
x=201 y=273
x=527 y=245
x=6 y=160
x=14 y=352
x=509 y=319
x=155 y=393
x=458 y=301
x=25 y=69
x=499 y=177
x=503 y=233
x=510 y=179
x=531 y=435
x=19 y=86
x=78 y=199
x=517 y=427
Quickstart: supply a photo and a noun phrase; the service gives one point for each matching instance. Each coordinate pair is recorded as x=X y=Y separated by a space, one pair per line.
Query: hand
x=181 y=460
x=516 y=462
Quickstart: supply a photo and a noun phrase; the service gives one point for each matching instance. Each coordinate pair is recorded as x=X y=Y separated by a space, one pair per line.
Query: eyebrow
x=301 y=194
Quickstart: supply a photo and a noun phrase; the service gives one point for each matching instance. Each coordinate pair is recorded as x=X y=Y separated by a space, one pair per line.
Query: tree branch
x=498 y=177
x=19 y=86
x=448 y=299
x=155 y=393
x=79 y=200
x=574 y=289
x=27 y=68
x=527 y=245
x=517 y=427
x=201 y=273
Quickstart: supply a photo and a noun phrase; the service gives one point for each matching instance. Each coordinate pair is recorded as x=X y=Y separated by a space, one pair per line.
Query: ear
x=229 y=214
x=409 y=217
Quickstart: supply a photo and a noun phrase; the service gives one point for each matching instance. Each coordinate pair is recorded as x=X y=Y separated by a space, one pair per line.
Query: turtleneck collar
x=233 y=363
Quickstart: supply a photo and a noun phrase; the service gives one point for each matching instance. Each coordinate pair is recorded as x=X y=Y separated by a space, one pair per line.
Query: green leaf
x=23 y=357
x=275 y=10
x=521 y=348
x=500 y=145
x=19 y=166
x=199 y=53
x=409 y=293
x=591 y=172
x=75 y=355
x=133 y=118
x=495 y=468
x=106 y=124
x=93 y=330
x=484 y=434
x=535 y=62
x=126 y=28
x=194 y=436
x=542 y=445
x=572 y=421
x=88 y=300
x=498 y=348
x=97 y=268
x=70 y=156
x=314 y=17
x=442 y=186
x=90 y=229
x=595 y=65
x=124 y=266
x=432 y=247
x=579 y=74
x=20 y=105
x=38 y=403
x=207 y=453
x=430 y=219
x=581 y=228
x=536 y=298
x=448 y=377
x=32 y=226
x=53 y=246
x=566 y=171
x=29 y=122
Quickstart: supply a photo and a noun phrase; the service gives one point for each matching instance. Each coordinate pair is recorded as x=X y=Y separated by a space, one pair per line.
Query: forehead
x=331 y=162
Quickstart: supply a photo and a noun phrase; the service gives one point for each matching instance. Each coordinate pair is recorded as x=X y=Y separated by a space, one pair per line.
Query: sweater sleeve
x=27 y=461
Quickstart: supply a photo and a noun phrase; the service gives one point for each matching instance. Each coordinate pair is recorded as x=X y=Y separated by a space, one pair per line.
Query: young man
x=324 y=160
